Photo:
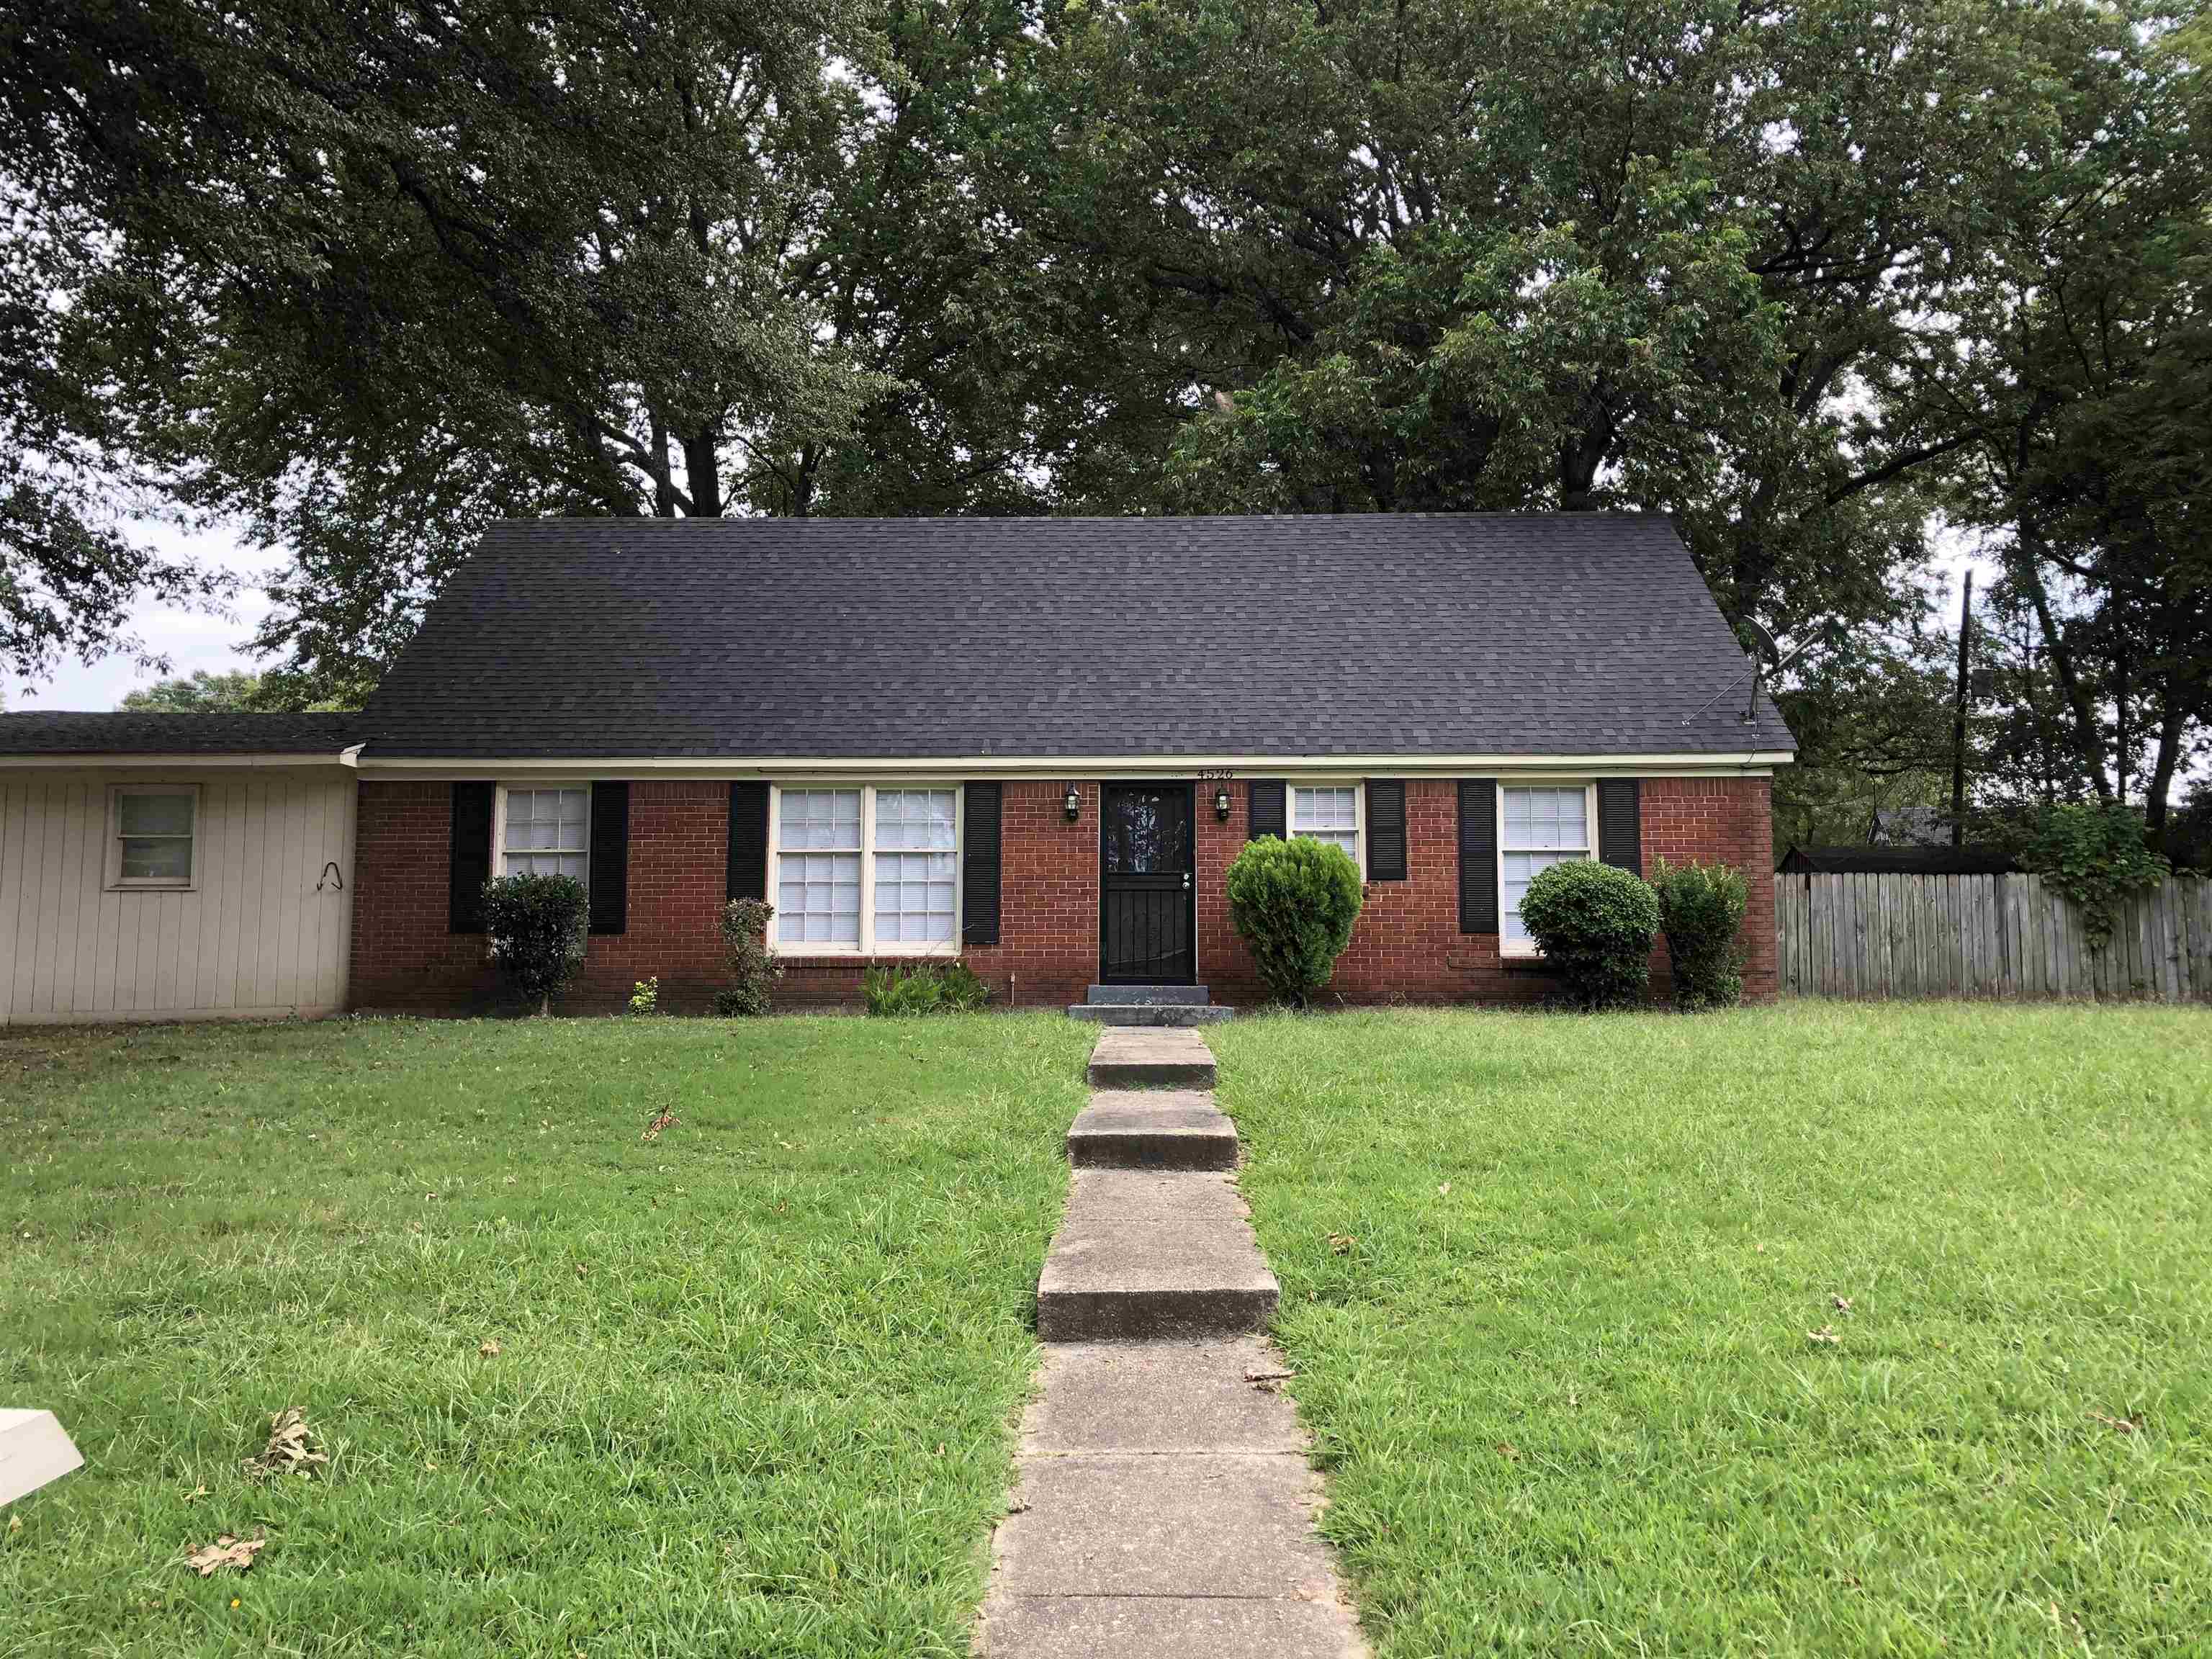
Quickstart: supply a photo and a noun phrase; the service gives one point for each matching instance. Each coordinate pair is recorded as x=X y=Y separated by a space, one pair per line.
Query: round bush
x=536 y=926
x=1294 y=903
x=1701 y=910
x=1595 y=925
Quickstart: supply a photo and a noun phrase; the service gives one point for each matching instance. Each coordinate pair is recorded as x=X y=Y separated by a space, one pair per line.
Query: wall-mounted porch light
x=1221 y=802
x=1074 y=803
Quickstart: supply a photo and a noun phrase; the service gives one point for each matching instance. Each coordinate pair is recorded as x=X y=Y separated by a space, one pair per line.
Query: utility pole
x=1959 y=717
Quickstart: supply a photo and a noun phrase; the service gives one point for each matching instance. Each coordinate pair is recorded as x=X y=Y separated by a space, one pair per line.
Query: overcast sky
x=195 y=640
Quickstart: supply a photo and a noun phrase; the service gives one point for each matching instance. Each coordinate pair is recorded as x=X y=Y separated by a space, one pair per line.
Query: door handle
x=1186 y=881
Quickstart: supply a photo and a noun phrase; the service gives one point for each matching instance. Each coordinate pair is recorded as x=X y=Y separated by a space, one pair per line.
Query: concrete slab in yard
x=1191 y=1396
x=1146 y=1525
x=1144 y=1253
x=1152 y=1129
x=1136 y=1058
x=1150 y=1627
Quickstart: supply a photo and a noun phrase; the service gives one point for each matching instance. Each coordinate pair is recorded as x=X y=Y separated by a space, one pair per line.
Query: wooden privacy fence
x=1986 y=936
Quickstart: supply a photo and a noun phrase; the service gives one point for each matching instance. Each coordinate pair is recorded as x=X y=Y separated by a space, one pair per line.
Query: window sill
x=152 y=887
x=859 y=959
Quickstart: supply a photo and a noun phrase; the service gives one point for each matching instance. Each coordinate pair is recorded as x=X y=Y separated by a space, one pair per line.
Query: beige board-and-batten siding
x=265 y=931
x=1892 y=935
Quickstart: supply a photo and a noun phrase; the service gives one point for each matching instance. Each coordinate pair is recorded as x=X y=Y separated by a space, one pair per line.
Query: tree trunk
x=701 y=470
x=2088 y=741
x=2162 y=769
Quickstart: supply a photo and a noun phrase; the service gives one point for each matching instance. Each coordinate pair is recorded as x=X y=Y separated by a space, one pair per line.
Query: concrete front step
x=1141 y=1058
x=1152 y=1129
x=1146 y=995
x=1169 y=1015
x=1153 y=1252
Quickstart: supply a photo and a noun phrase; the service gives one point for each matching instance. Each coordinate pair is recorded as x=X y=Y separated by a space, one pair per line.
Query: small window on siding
x=153 y=832
x=546 y=832
x=1537 y=827
x=1328 y=813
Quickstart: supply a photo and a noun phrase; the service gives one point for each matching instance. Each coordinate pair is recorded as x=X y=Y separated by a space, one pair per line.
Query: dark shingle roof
x=1393 y=634
x=39 y=733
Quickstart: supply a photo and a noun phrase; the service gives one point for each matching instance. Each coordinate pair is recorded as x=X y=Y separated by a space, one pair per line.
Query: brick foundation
x=1406 y=946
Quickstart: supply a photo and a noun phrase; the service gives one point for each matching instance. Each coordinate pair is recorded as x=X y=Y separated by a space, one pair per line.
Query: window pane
x=1324 y=809
x=1519 y=869
x=168 y=857
x=812 y=818
x=156 y=815
x=1547 y=819
x=818 y=896
x=915 y=818
x=916 y=895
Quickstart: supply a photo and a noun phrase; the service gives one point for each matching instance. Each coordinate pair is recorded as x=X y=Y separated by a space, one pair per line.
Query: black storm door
x=1147 y=912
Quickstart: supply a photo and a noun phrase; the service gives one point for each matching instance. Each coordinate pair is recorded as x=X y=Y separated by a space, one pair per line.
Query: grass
x=1548 y=1286
x=755 y=1380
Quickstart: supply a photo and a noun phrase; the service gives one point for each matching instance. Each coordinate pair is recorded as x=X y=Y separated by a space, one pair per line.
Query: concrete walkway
x=1165 y=1507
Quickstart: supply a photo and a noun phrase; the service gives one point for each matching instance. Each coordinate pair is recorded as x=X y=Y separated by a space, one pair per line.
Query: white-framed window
x=1329 y=813
x=1537 y=825
x=544 y=830
x=865 y=870
x=152 y=828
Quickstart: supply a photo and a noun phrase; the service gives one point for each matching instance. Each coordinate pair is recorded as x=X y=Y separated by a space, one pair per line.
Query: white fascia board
x=348 y=758
x=1754 y=763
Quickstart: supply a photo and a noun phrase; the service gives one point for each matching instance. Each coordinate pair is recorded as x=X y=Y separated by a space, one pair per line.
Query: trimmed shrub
x=536 y=926
x=1701 y=912
x=928 y=988
x=752 y=969
x=1594 y=923
x=1294 y=902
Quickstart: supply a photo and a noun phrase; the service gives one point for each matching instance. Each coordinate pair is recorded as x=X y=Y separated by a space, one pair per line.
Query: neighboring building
x=1033 y=744
x=1897 y=861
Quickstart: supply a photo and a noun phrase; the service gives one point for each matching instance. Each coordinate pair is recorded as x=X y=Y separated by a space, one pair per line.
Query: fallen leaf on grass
x=488 y=1348
x=225 y=1551
x=1342 y=1244
x=1826 y=1334
x=294 y=1448
x=196 y=1494
x=1508 y=1451
x=2127 y=1424
x=1843 y=1304
x=661 y=1120
x=1444 y=1190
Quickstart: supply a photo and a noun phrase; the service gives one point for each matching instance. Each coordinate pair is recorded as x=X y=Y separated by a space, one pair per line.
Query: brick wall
x=1406 y=945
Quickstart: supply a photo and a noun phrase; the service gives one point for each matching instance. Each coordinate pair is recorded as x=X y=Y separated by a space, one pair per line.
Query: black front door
x=1147 y=913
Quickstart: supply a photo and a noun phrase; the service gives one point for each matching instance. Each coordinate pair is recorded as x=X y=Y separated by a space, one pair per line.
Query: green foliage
x=1293 y=903
x=536 y=926
x=1594 y=923
x=645 y=996
x=927 y=988
x=1701 y=909
x=753 y=968
x=202 y=692
x=2097 y=856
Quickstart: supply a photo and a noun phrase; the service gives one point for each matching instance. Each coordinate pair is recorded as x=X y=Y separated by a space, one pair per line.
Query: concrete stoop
x=1126 y=1059
x=1166 y=1506
x=1172 y=1006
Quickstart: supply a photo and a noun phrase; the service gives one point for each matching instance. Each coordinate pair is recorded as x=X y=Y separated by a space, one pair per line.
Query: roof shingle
x=1396 y=635
x=38 y=732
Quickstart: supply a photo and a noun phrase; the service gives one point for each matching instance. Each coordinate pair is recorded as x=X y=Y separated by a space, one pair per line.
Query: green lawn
x=754 y=1382
x=1548 y=1285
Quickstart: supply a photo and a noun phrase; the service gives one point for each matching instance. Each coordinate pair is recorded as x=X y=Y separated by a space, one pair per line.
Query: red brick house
x=1033 y=744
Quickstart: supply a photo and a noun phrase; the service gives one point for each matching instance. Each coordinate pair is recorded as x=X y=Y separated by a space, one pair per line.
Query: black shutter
x=979 y=866
x=1620 y=824
x=1478 y=855
x=1268 y=812
x=470 y=867
x=748 y=867
x=610 y=857
x=1386 y=830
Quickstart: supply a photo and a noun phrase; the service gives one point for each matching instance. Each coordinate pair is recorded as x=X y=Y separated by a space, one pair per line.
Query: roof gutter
x=1724 y=764
x=346 y=757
